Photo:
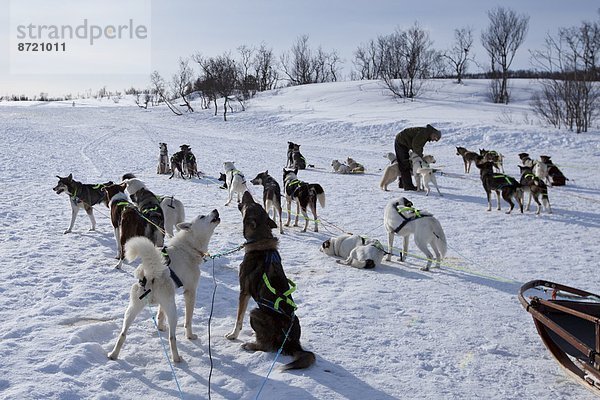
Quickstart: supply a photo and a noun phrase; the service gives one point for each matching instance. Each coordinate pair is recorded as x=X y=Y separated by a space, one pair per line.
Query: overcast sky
x=184 y=27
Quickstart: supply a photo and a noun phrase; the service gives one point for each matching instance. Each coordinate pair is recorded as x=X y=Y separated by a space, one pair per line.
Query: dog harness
x=270 y=258
x=237 y=172
x=408 y=219
x=294 y=184
x=506 y=178
x=174 y=276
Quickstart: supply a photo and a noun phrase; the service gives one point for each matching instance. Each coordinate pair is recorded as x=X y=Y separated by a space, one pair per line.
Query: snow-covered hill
x=394 y=332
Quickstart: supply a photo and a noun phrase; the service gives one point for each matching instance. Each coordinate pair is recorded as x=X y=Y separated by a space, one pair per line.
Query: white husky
x=235 y=181
x=341 y=245
x=161 y=271
x=367 y=256
x=401 y=218
x=423 y=172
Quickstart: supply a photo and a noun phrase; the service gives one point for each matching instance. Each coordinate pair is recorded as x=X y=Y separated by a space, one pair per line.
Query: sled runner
x=568 y=321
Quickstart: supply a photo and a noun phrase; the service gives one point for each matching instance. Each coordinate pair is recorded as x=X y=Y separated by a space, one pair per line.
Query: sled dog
x=366 y=256
x=423 y=172
x=163 y=159
x=161 y=271
x=81 y=195
x=271 y=195
x=342 y=245
x=555 y=176
x=499 y=183
x=126 y=219
x=149 y=206
x=390 y=174
x=536 y=188
x=234 y=182
x=355 y=167
x=468 y=157
x=305 y=195
x=340 y=168
x=402 y=219
x=262 y=278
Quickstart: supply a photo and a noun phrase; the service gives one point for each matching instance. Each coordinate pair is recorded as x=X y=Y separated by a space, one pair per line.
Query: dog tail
x=302 y=359
x=441 y=239
x=153 y=264
x=317 y=190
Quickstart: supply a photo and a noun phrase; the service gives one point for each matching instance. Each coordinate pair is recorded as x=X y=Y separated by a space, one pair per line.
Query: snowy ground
x=394 y=332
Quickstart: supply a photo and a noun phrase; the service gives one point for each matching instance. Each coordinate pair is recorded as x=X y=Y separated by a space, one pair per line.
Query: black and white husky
x=271 y=195
x=536 y=188
x=304 y=194
x=149 y=206
x=81 y=195
x=234 y=181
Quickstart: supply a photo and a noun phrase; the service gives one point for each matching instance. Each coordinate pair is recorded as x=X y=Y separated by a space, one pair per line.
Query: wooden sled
x=568 y=321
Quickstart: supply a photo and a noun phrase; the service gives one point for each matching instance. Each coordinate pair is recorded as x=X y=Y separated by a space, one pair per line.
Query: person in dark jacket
x=412 y=139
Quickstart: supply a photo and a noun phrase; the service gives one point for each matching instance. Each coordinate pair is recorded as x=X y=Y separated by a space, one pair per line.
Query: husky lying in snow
x=234 y=182
x=161 y=271
x=423 y=172
x=402 y=219
x=355 y=167
x=80 y=196
x=355 y=250
x=340 y=168
x=367 y=256
x=341 y=245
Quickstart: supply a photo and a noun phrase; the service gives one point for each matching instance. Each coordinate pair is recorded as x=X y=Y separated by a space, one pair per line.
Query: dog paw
x=250 y=346
x=177 y=359
x=192 y=336
x=92 y=230
x=112 y=356
x=232 y=335
x=67 y=231
x=424 y=268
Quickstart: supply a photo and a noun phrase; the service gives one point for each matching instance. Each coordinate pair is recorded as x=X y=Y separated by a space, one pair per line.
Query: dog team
x=141 y=220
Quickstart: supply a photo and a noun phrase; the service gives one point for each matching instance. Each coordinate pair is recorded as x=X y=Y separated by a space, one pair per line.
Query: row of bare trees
x=570 y=96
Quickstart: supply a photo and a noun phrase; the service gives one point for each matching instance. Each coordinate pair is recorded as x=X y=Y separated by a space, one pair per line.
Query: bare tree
x=407 y=59
x=221 y=79
x=303 y=65
x=367 y=61
x=158 y=86
x=501 y=40
x=182 y=82
x=265 y=68
x=570 y=95
x=459 y=54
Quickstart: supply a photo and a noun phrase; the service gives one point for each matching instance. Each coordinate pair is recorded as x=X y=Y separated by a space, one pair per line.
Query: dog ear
x=184 y=226
x=326 y=244
x=267 y=172
x=272 y=224
x=70 y=177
